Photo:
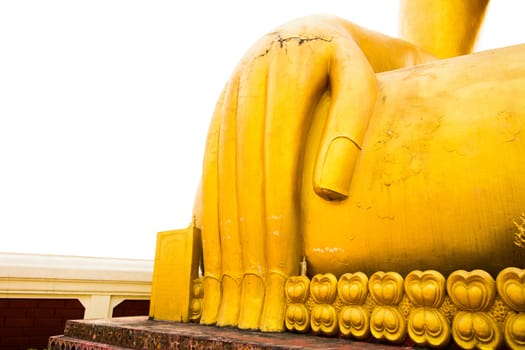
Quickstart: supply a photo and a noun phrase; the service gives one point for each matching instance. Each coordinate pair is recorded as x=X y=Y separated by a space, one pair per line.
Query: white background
x=104 y=108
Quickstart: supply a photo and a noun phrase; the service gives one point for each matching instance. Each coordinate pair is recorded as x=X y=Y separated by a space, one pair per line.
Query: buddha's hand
x=255 y=149
x=280 y=81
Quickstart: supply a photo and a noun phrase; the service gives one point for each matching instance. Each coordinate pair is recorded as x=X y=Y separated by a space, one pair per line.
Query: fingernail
x=338 y=167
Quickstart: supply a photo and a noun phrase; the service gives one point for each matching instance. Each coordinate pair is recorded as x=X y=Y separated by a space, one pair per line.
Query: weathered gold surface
x=362 y=152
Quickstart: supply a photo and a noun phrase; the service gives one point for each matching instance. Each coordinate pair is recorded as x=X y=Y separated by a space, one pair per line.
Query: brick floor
x=141 y=333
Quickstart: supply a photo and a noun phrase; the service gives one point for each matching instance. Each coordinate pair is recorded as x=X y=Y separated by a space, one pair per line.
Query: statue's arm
x=444 y=28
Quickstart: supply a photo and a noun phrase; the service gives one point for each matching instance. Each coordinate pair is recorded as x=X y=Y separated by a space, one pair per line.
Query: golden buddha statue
x=361 y=152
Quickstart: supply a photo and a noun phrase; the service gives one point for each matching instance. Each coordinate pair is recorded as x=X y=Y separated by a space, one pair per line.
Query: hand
x=249 y=213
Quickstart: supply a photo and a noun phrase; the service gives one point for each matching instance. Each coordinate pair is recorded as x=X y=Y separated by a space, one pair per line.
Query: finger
x=207 y=217
x=209 y=194
x=231 y=266
x=297 y=78
x=251 y=111
x=353 y=89
x=227 y=191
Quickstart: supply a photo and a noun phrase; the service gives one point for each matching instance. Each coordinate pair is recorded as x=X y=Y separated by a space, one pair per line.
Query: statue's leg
x=231 y=265
x=251 y=113
x=209 y=222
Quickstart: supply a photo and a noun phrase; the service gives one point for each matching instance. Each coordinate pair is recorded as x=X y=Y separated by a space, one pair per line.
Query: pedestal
x=125 y=333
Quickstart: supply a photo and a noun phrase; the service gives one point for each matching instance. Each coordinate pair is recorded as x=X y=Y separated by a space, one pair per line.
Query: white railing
x=99 y=284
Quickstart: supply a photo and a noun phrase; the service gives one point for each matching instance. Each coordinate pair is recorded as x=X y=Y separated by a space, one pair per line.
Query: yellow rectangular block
x=176 y=265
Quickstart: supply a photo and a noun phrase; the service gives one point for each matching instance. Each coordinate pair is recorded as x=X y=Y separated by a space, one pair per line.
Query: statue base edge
x=140 y=332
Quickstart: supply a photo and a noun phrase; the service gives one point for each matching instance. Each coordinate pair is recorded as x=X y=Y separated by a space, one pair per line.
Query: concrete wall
x=38 y=293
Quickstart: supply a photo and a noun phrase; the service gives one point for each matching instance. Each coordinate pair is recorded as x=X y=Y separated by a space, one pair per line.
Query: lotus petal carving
x=297 y=318
x=323 y=288
x=428 y=327
x=352 y=288
x=511 y=288
x=425 y=288
x=387 y=323
x=354 y=321
x=297 y=288
x=476 y=329
x=515 y=331
x=471 y=291
x=324 y=319
x=386 y=288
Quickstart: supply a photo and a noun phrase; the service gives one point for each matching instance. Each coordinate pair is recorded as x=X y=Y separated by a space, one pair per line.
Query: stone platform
x=125 y=333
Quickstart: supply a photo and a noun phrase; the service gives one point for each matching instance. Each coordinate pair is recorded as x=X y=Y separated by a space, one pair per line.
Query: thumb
x=353 y=89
